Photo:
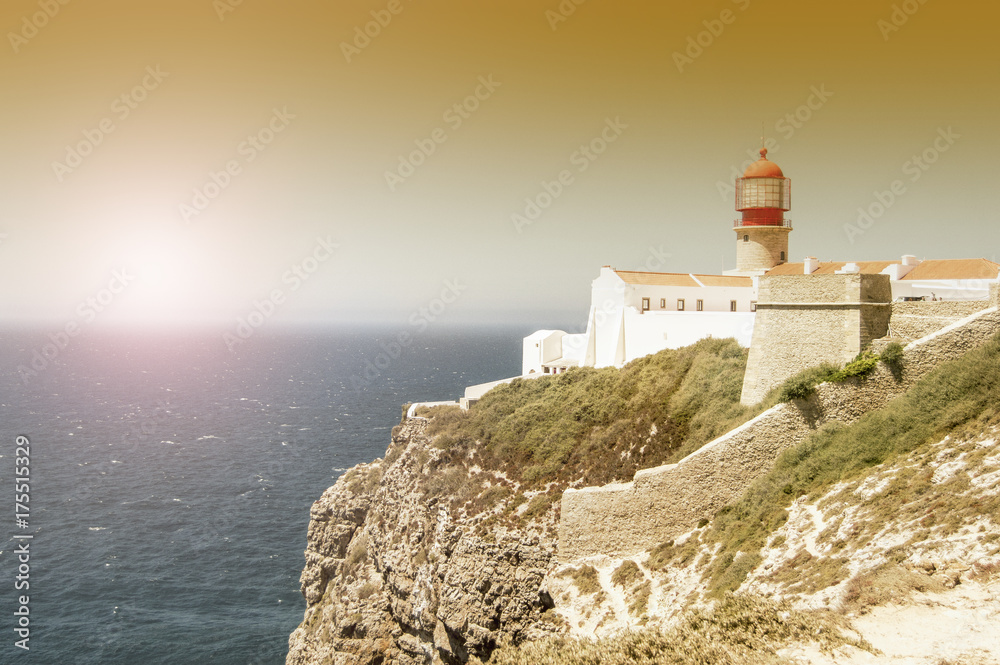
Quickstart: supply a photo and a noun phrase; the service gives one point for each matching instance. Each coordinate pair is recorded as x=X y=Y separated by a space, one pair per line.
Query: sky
x=416 y=162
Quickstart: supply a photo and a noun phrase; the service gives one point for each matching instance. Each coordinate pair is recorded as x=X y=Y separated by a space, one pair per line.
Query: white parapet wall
x=660 y=504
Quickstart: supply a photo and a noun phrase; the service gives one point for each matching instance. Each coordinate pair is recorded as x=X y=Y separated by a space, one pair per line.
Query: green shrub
x=892 y=356
x=803 y=384
x=864 y=363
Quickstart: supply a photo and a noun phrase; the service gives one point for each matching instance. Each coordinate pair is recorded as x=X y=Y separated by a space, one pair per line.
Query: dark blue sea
x=171 y=479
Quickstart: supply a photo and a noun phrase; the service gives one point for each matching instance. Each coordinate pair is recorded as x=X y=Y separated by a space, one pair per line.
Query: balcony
x=739 y=224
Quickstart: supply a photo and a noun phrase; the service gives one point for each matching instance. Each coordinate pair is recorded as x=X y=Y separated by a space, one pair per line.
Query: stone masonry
x=665 y=502
x=805 y=320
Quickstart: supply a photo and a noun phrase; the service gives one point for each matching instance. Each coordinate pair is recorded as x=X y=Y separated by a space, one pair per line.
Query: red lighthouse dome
x=763 y=168
x=763 y=194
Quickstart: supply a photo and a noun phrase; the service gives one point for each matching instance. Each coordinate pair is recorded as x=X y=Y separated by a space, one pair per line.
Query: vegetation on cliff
x=904 y=500
x=596 y=426
x=741 y=630
x=958 y=395
x=803 y=384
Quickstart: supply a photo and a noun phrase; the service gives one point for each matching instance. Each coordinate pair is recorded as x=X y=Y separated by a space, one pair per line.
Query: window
x=663 y=303
x=746 y=238
x=700 y=305
x=645 y=304
x=782 y=256
x=732 y=305
x=753 y=306
x=680 y=304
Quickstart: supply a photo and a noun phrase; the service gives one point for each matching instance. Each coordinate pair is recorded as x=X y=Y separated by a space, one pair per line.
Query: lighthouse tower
x=763 y=195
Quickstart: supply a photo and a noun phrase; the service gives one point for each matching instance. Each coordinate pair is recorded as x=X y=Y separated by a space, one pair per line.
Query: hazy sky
x=179 y=160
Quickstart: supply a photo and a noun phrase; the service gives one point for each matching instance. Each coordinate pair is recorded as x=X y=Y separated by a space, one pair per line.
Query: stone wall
x=763 y=249
x=913 y=320
x=663 y=503
x=805 y=320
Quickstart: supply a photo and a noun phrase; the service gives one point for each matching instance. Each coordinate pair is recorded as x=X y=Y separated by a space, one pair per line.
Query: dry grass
x=959 y=396
x=639 y=599
x=585 y=579
x=740 y=630
x=668 y=554
x=888 y=582
x=627 y=574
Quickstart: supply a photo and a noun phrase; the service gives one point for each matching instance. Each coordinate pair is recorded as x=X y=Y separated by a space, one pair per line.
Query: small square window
x=732 y=305
x=746 y=238
x=700 y=305
x=753 y=306
x=680 y=304
x=645 y=304
x=663 y=303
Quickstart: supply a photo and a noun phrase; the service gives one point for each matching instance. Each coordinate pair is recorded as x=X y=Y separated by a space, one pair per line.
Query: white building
x=633 y=314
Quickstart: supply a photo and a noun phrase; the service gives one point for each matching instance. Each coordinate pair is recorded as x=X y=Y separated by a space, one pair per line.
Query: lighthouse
x=763 y=195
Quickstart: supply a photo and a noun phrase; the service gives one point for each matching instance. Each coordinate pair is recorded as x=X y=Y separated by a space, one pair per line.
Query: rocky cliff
x=399 y=569
x=888 y=525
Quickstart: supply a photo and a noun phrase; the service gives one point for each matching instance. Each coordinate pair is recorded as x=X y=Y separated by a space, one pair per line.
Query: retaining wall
x=665 y=502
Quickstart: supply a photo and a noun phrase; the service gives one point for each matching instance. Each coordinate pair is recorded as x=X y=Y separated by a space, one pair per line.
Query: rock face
x=396 y=572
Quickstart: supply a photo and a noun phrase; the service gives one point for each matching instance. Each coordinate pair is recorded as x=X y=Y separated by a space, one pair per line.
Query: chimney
x=849 y=269
x=810 y=265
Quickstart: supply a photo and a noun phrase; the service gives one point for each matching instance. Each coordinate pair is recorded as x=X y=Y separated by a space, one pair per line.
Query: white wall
x=653 y=331
x=618 y=331
x=540 y=347
x=949 y=289
x=714 y=298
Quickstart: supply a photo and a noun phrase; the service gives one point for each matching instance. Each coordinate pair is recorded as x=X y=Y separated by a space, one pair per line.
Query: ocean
x=171 y=479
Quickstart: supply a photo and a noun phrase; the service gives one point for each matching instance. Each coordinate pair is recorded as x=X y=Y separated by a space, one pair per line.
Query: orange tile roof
x=830 y=267
x=656 y=278
x=930 y=269
x=955 y=269
x=679 y=279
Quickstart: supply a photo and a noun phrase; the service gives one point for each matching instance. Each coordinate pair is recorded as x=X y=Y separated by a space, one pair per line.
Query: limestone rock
x=395 y=576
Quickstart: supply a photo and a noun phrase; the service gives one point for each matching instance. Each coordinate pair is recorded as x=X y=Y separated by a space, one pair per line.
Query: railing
x=738 y=224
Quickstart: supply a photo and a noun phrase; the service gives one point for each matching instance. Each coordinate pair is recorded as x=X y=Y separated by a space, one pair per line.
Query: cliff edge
x=397 y=571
